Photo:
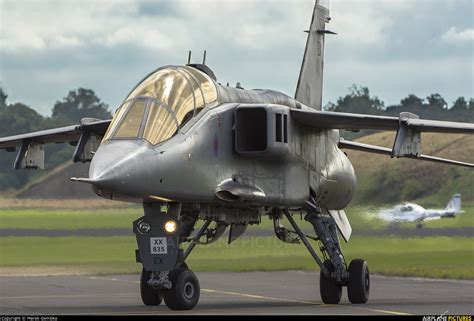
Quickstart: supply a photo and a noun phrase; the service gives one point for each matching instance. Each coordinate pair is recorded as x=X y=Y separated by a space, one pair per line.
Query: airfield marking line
x=111 y=279
x=270 y=298
x=65 y=296
x=377 y=310
x=253 y=296
x=223 y=292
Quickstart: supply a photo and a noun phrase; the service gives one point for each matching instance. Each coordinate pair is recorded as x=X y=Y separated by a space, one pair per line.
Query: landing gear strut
x=165 y=275
x=334 y=271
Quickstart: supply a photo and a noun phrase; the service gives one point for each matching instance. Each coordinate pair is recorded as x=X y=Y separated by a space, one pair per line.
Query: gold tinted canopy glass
x=130 y=125
x=165 y=101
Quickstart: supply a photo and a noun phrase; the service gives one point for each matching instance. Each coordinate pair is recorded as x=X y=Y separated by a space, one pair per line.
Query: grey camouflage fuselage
x=192 y=165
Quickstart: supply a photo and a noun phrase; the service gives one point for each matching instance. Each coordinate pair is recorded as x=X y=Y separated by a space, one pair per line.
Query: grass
x=361 y=218
x=440 y=257
x=68 y=219
x=383 y=180
x=91 y=204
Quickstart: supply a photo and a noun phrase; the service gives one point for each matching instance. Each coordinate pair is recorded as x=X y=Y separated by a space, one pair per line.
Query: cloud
x=59 y=45
x=366 y=22
x=454 y=36
x=445 y=76
x=41 y=26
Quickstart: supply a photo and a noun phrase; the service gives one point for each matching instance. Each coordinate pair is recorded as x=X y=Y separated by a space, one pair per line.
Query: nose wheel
x=150 y=296
x=185 y=292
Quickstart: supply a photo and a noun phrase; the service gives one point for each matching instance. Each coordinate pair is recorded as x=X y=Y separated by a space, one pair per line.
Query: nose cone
x=121 y=167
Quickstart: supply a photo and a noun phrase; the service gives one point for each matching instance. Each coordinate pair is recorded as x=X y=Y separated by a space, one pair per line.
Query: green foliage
x=412 y=189
x=412 y=101
x=19 y=118
x=16 y=119
x=460 y=104
x=78 y=104
x=435 y=107
x=359 y=101
x=3 y=99
x=382 y=180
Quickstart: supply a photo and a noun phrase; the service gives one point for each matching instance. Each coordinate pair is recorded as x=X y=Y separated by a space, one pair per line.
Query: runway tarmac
x=288 y=292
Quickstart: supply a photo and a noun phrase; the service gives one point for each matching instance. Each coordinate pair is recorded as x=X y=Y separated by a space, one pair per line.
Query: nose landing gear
x=165 y=275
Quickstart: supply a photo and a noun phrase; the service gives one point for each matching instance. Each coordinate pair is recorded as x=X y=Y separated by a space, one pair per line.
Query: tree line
x=17 y=118
x=358 y=100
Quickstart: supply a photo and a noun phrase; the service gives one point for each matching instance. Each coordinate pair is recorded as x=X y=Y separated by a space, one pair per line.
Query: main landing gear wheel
x=150 y=296
x=330 y=291
x=358 y=288
x=185 y=292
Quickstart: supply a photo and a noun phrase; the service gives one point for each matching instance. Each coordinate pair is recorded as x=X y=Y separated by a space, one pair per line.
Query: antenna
x=204 y=57
x=189 y=57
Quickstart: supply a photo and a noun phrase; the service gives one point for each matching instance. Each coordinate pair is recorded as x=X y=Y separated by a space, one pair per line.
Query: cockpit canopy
x=162 y=104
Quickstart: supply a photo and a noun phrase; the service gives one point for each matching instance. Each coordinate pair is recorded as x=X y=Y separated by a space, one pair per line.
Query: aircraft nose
x=119 y=166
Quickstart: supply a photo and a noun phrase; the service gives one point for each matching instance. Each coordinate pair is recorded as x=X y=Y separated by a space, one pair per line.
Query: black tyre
x=185 y=292
x=358 y=288
x=149 y=295
x=330 y=291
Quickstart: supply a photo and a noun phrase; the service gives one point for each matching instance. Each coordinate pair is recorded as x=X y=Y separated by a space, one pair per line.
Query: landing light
x=171 y=226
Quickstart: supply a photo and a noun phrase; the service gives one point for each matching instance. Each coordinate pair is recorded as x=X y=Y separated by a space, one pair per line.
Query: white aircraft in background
x=410 y=212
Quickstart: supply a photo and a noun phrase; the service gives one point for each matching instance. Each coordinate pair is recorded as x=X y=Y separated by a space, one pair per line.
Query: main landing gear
x=334 y=271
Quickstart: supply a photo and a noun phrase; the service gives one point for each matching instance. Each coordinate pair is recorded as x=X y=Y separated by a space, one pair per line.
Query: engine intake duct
x=262 y=130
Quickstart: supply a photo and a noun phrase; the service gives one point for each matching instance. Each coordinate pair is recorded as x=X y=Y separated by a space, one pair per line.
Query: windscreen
x=161 y=104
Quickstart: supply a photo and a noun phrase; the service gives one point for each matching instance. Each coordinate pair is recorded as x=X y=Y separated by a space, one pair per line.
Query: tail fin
x=310 y=82
x=454 y=204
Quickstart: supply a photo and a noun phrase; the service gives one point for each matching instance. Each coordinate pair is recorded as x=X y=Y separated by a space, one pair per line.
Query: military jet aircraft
x=190 y=149
x=410 y=212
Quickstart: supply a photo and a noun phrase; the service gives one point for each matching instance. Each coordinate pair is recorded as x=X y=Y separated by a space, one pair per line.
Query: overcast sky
x=393 y=47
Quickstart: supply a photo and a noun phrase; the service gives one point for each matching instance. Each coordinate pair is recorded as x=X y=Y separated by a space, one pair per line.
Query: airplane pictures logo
x=444 y=317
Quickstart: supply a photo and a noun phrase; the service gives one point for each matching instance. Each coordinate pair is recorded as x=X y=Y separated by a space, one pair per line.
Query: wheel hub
x=188 y=290
x=367 y=281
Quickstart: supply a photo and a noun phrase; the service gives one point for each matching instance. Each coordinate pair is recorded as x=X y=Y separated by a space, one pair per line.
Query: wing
x=408 y=127
x=56 y=135
x=333 y=120
x=85 y=136
x=345 y=144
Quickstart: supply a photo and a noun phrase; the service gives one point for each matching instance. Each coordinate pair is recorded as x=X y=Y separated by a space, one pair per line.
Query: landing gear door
x=158 y=249
x=342 y=223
